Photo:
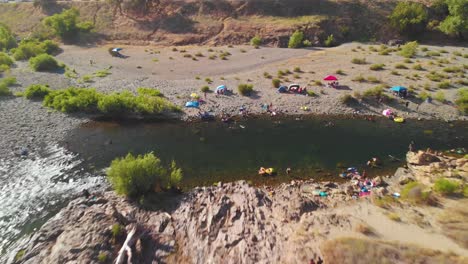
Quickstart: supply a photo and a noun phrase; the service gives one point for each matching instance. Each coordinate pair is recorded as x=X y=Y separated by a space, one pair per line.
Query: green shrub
x=49 y=46
x=401 y=66
x=208 y=80
x=444 y=84
x=19 y=256
x=102 y=257
x=149 y=92
x=424 y=95
x=373 y=92
x=117 y=230
x=256 y=41
x=377 y=67
x=462 y=100
x=8 y=81
x=297 y=69
x=318 y=83
x=409 y=17
x=295 y=41
x=276 y=83
x=418 y=67
x=245 y=89
x=439 y=96
x=409 y=50
x=307 y=43
x=37 y=91
x=432 y=54
x=359 y=78
x=175 y=176
x=373 y=79
x=5 y=59
x=340 y=72
x=4 y=90
x=330 y=41
x=311 y=93
x=435 y=76
x=465 y=190
x=66 y=25
x=133 y=176
x=347 y=99
x=102 y=73
x=7 y=40
x=205 y=89
x=359 y=60
x=395 y=73
x=457 y=53
x=446 y=187
x=44 y=62
x=199 y=54
x=453 y=69
x=414 y=192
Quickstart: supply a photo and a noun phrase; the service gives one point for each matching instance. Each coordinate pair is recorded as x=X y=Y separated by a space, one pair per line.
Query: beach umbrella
x=387 y=112
x=221 y=87
x=116 y=49
x=330 y=78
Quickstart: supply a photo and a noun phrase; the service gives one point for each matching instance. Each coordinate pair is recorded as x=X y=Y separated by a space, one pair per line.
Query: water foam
x=33 y=188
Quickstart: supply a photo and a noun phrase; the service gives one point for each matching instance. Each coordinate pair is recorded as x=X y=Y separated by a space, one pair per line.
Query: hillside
x=217 y=22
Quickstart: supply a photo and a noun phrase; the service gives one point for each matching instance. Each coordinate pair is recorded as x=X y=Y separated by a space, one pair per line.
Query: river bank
x=238 y=223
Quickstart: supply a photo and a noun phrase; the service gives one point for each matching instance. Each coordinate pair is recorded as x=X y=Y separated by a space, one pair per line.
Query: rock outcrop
x=426 y=166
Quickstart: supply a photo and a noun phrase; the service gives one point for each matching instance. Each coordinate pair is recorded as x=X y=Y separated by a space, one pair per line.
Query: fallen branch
x=126 y=249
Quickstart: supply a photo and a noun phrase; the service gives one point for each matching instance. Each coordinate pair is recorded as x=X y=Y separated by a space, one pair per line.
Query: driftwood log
x=126 y=249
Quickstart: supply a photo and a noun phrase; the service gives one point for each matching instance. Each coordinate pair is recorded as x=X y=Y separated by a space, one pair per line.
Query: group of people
x=334 y=84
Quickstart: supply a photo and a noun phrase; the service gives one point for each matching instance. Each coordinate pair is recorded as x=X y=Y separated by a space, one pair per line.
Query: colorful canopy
x=387 y=112
x=330 y=78
x=221 y=87
x=398 y=89
x=116 y=49
x=194 y=95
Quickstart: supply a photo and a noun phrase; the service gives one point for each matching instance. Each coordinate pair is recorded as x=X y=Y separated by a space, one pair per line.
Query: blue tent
x=192 y=104
x=398 y=89
x=282 y=89
x=221 y=87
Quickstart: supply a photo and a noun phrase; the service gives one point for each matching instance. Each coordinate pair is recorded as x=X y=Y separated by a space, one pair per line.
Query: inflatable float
x=399 y=119
x=266 y=171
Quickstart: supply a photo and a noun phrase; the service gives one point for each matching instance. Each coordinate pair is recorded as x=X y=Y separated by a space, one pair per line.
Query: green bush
x=295 y=41
x=414 y=192
x=418 y=67
x=432 y=54
x=435 y=76
x=330 y=41
x=66 y=25
x=297 y=69
x=462 y=100
x=4 y=90
x=373 y=92
x=373 y=79
x=245 y=89
x=149 y=92
x=453 y=69
x=175 y=176
x=444 y=84
x=7 y=40
x=44 y=62
x=409 y=17
x=359 y=78
x=147 y=102
x=446 y=187
x=307 y=43
x=33 y=47
x=102 y=257
x=340 y=72
x=377 y=67
x=359 y=60
x=5 y=59
x=37 y=91
x=401 y=66
x=276 y=83
x=133 y=176
x=205 y=89
x=424 y=95
x=347 y=99
x=439 y=96
x=256 y=41
x=409 y=50
x=456 y=23
x=117 y=230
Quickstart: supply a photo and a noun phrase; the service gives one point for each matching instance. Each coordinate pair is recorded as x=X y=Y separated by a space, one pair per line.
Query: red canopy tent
x=330 y=78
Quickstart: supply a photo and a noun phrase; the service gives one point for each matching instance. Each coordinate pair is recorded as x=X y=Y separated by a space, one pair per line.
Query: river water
x=34 y=188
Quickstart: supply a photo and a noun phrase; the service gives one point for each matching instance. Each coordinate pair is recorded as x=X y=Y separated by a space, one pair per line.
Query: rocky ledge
x=227 y=223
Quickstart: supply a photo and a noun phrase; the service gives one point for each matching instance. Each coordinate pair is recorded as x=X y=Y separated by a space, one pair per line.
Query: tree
x=409 y=17
x=295 y=41
x=456 y=23
x=66 y=25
